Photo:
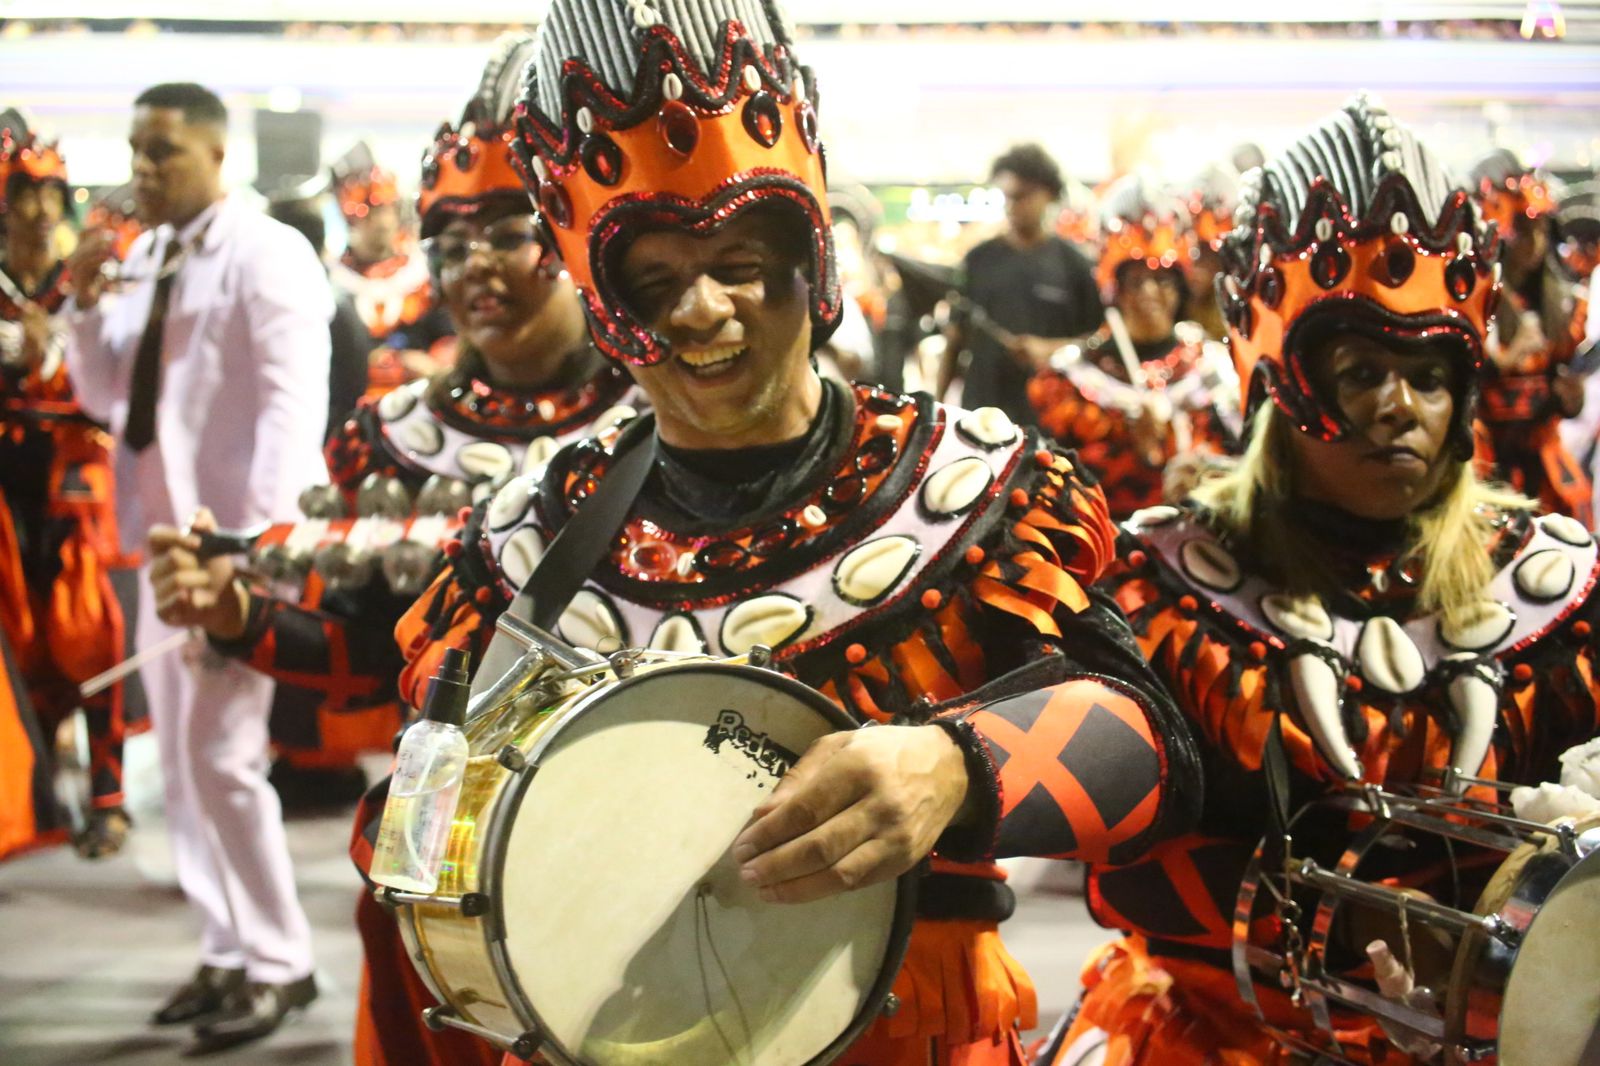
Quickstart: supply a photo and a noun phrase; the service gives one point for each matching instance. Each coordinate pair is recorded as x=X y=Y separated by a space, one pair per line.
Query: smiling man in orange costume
x=678 y=167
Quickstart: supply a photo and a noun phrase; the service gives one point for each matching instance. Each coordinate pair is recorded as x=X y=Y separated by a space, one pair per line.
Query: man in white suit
x=211 y=368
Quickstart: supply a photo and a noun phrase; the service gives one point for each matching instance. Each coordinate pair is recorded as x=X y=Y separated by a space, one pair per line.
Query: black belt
x=957 y=897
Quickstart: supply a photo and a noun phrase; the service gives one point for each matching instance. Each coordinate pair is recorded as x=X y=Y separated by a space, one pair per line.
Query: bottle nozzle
x=449 y=689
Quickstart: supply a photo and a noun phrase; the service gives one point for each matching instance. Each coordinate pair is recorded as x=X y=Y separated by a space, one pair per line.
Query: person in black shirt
x=1024 y=293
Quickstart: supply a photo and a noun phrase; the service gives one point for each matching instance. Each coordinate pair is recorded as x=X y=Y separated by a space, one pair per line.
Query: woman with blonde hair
x=1349 y=608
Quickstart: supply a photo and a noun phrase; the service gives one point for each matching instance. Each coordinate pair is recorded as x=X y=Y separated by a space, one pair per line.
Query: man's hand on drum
x=190 y=591
x=860 y=807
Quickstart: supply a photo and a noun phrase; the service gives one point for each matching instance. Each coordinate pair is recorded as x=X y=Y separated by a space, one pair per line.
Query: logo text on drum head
x=729 y=728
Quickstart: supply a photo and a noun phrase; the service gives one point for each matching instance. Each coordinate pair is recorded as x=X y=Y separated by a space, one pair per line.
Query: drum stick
x=104 y=680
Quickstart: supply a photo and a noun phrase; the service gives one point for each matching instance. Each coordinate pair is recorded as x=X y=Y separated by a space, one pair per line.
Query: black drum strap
x=1275 y=767
x=578 y=548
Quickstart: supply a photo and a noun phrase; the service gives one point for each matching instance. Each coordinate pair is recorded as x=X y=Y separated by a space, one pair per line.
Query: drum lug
x=891 y=1005
x=527 y=1045
x=512 y=759
x=1502 y=930
x=435 y=1018
x=623 y=663
x=759 y=656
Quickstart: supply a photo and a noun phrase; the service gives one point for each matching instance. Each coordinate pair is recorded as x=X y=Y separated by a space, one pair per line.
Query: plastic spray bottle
x=429 y=769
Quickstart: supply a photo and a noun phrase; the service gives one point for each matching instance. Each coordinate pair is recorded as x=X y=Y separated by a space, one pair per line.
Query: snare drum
x=1519 y=983
x=589 y=910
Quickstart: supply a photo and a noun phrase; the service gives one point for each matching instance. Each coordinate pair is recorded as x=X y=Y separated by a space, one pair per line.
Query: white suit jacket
x=244 y=378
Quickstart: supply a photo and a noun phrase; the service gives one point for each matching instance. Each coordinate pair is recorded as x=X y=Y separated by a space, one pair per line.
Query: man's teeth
x=722 y=353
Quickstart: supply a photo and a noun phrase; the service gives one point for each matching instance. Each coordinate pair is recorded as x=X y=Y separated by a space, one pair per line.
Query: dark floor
x=89 y=949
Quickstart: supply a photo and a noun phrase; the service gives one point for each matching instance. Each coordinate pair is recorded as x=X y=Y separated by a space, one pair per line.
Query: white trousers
x=229 y=848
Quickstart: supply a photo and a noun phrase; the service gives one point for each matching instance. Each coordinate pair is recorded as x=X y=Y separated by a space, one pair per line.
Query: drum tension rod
x=470 y=904
x=523 y=1047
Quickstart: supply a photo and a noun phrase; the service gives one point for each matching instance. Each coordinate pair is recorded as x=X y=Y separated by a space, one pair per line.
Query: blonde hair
x=1251 y=502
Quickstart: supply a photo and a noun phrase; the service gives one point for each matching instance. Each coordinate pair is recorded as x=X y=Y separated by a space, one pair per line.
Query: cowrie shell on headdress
x=1298 y=616
x=1399 y=223
x=591 y=622
x=867 y=573
x=539 y=171
x=397 y=403
x=1464 y=243
x=679 y=633
x=1150 y=517
x=520 y=554
x=1486 y=623
x=1210 y=564
x=989 y=426
x=539 y=453
x=752 y=77
x=1391 y=136
x=1390 y=160
x=773 y=620
x=484 y=459
x=1545 y=575
x=1264 y=256
x=1316 y=693
x=644 y=17
x=1387 y=656
x=672 y=86
x=422 y=436
x=953 y=488
x=585 y=119
x=1476 y=700
x=1231 y=283
x=813 y=517
x=1324 y=228
x=1496 y=272
x=511 y=503
x=1565 y=528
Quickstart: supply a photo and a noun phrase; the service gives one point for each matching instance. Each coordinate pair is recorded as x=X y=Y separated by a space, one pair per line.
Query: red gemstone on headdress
x=1398 y=263
x=679 y=129
x=1270 y=286
x=1459 y=279
x=762 y=119
x=1329 y=264
x=806 y=117
x=555 y=205
x=602 y=159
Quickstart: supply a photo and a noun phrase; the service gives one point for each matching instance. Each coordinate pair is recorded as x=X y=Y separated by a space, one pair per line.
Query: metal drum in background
x=590 y=910
x=1521 y=980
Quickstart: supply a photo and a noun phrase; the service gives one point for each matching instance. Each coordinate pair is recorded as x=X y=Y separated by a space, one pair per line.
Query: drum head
x=1551 y=1014
x=627 y=928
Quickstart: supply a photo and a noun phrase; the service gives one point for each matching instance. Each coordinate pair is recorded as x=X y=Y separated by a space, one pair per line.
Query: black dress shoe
x=205 y=994
x=255 y=1010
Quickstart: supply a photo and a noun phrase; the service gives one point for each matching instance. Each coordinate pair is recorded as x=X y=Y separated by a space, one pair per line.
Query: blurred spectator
x=351 y=343
x=1026 y=292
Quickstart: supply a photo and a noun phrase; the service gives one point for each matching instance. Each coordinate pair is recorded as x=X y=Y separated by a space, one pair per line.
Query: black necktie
x=141 y=428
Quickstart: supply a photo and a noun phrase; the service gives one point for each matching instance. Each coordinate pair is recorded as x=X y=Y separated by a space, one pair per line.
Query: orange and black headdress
x=1140 y=225
x=1355 y=226
x=1210 y=206
x=640 y=115
x=25 y=158
x=470 y=166
x=1507 y=190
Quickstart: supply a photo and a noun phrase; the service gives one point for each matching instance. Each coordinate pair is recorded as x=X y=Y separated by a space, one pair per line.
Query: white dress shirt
x=244 y=377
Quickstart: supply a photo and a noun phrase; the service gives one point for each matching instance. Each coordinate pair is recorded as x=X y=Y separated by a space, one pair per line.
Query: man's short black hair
x=303 y=216
x=198 y=104
x=1031 y=163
